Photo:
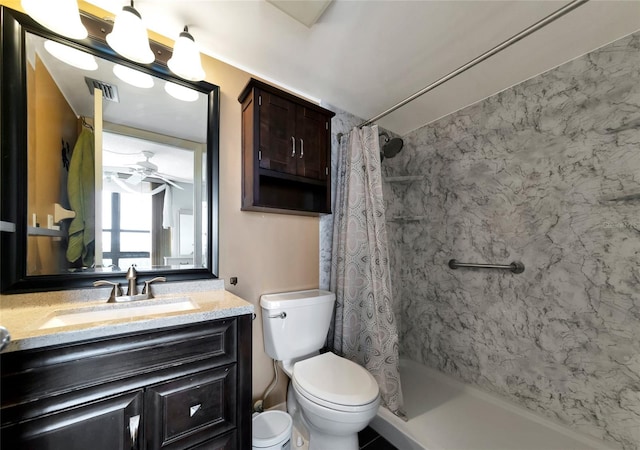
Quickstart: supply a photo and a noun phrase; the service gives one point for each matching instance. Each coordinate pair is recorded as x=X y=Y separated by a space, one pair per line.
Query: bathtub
x=446 y=414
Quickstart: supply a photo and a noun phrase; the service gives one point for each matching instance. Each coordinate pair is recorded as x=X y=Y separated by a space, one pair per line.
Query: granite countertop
x=25 y=314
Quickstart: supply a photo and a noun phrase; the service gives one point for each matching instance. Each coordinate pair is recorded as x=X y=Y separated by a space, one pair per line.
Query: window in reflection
x=129 y=230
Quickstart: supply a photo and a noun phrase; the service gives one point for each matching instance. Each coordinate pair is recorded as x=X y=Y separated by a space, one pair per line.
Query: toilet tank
x=295 y=324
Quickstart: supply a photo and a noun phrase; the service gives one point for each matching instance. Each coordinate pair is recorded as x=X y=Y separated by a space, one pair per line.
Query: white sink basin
x=113 y=311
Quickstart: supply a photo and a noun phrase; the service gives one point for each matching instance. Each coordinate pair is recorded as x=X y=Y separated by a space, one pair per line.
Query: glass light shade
x=62 y=16
x=181 y=92
x=185 y=61
x=133 y=77
x=129 y=37
x=71 y=56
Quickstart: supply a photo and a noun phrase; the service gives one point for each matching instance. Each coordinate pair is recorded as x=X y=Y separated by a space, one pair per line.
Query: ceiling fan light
x=62 y=16
x=180 y=92
x=129 y=36
x=133 y=77
x=185 y=61
x=71 y=56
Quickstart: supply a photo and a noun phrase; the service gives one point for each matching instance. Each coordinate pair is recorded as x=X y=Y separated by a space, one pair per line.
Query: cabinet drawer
x=191 y=409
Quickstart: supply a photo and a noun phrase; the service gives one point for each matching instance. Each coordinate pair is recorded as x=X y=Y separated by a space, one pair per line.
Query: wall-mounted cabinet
x=286 y=152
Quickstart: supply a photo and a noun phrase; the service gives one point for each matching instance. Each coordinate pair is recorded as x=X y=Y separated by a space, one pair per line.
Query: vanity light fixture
x=185 y=61
x=129 y=36
x=71 y=56
x=62 y=16
x=133 y=77
x=180 y=92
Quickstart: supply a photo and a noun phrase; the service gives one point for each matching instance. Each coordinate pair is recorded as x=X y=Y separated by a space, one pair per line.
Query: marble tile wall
x=547 y=173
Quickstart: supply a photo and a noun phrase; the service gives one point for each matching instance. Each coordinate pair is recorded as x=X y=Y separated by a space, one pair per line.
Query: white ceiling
x=365 y=56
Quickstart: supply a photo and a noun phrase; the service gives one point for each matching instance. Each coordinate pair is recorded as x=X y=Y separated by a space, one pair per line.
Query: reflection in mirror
x=122 y=156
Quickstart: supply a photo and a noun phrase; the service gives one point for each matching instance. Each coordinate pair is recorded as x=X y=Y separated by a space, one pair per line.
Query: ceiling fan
x=145 y=169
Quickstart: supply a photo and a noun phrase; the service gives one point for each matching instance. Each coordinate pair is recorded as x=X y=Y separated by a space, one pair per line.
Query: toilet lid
x=336 y=380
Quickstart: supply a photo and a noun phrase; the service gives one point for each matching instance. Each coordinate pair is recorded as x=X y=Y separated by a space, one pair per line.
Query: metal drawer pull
x=5 y=337
x=301 y=148
x=134 y=422
x=194 y=409
x=282 y=315
x=293 y=146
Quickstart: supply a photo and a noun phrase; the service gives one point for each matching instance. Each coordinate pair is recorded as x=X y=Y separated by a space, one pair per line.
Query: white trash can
x=271 y=431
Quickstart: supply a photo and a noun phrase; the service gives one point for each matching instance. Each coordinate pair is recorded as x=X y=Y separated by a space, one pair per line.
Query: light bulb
x=129 y=36
x=180 y=92
x=62 y=16
x=185 y=61
x=133 y=77
x=71 y=56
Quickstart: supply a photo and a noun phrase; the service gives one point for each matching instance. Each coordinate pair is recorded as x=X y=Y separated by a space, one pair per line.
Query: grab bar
x=515 y=267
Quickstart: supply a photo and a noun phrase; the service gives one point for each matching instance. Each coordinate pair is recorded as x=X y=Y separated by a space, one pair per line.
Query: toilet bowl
x=330 y=398
x=337 y=398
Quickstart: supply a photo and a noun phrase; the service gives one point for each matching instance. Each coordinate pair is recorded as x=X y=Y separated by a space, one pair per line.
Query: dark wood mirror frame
x=13 y=153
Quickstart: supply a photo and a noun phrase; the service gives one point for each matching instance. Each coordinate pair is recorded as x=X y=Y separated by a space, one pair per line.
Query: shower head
x=391 y=146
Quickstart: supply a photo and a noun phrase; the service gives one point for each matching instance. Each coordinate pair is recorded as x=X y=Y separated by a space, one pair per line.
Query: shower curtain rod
x=498 y=48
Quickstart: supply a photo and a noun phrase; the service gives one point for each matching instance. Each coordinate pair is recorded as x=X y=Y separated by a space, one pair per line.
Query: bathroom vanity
x=178 y=380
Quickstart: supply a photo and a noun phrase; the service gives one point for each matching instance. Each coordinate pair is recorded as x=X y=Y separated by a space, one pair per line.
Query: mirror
x=103 y=171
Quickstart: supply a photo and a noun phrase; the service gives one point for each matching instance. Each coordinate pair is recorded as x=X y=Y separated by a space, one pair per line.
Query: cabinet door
x=110 y=424
x=277 y=142
x=312 y=133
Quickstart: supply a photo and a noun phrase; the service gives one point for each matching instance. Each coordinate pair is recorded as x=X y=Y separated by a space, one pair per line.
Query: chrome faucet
x=132 y=287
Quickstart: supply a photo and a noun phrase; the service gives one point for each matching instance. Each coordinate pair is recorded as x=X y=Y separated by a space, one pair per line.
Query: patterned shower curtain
x=364 y=328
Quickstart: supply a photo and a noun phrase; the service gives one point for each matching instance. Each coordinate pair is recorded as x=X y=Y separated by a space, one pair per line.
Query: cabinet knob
x=194 y=409
x=293 y=146
x=301 y=148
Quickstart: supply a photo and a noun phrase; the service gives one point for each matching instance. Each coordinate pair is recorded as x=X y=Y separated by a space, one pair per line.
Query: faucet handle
x=115 y=292
x=147 y=288
x=132 y=273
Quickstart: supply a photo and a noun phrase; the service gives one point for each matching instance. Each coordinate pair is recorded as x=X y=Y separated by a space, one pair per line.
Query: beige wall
x=267 y=252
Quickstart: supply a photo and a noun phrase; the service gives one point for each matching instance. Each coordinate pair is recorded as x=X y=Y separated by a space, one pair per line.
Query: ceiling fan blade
x=148 y=165
x=166 y=180
x=136 y=178
x=117 y=181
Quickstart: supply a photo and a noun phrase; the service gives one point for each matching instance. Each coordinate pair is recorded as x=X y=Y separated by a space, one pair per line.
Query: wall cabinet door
x=111 y=424
x=277 y=144
x=312 y=133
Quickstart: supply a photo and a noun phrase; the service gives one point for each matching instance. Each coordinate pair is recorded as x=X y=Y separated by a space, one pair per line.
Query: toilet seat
x=335 y=383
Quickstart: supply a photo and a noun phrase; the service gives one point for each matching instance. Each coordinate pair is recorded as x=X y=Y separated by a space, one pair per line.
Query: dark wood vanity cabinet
x=286 y=152
x=186 y=387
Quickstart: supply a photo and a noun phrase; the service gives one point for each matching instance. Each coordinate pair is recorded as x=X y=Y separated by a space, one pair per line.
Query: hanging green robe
x=81 y=190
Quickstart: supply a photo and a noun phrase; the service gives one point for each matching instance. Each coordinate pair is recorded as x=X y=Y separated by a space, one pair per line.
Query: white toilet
x=330 y=398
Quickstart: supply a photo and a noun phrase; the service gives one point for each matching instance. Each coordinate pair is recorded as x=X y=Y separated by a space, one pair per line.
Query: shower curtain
x=364 y=328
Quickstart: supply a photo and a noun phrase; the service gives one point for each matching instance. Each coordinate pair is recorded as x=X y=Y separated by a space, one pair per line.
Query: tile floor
x=369 y=439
